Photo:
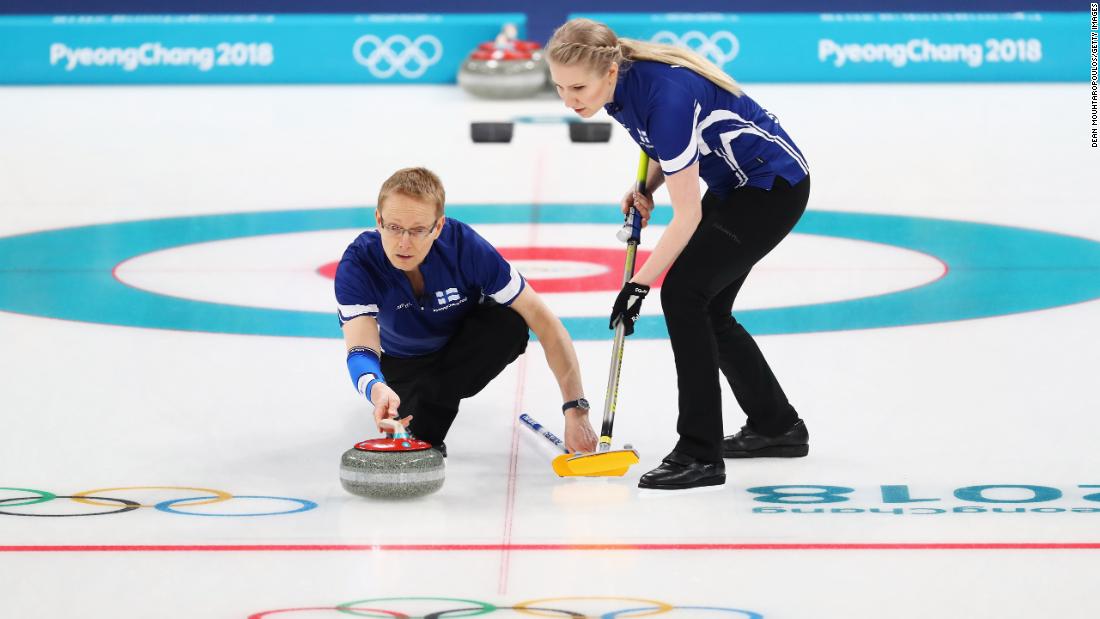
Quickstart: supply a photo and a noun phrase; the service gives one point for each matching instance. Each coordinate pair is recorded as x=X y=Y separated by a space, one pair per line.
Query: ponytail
x=590 y=43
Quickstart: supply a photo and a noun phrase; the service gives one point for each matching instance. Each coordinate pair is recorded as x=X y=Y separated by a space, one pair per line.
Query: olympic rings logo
x=543 y=607
x=411 y=60
x=181 y=506
x=710 y=46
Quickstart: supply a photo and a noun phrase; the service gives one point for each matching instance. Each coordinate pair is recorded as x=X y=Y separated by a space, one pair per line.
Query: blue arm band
x=361 y=361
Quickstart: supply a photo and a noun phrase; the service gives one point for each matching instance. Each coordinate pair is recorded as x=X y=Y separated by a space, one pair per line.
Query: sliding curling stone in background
x=503 y=73
x=589 y=132
x=504 y=68
x=491 y=132
x=392 y=468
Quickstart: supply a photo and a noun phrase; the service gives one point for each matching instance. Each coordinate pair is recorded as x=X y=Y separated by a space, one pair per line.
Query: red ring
x=261 y=615
x=610 y=280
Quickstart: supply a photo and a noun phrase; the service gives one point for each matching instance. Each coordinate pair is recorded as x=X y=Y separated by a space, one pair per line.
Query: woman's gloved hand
x=627 y=305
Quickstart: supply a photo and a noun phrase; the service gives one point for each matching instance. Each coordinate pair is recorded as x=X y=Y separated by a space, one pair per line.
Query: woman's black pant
x=430 y=386
x=736 y=231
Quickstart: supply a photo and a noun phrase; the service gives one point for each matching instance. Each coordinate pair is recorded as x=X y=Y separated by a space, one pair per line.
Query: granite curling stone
x=506 y=68
x=392 y=468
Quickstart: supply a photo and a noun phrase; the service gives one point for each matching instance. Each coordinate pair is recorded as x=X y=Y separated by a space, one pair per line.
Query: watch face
x=583 y=403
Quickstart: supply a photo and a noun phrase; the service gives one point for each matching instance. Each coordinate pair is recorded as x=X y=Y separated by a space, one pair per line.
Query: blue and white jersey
x=680 y=117
x=460 y=270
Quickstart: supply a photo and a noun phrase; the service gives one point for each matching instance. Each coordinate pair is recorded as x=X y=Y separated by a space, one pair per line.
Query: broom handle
x=634 y=224
x=537 y=428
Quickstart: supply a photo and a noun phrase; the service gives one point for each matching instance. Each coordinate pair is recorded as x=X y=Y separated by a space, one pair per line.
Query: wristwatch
x=580 y=403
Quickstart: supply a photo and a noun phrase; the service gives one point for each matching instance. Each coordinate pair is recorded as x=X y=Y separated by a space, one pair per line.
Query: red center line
x=521 y=378
x=549 y=547
x=513 y=463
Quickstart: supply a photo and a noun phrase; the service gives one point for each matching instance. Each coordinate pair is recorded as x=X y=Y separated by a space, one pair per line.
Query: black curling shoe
x=679 y=471
x=441 y=448
x=793 y=443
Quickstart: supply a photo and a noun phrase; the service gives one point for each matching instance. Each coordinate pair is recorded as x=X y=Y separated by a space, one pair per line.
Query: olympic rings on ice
x=43 y=496
x=537 y=608
x=746 y=614
x=207 y=496
x=481 y=608
x=658 y=607
x=268 y=613
x=79 y=497
x=304 y=506
x=128 y=506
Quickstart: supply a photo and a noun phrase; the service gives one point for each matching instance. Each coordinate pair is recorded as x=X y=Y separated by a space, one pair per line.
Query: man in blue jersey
x=696 y=124
x=431 y=313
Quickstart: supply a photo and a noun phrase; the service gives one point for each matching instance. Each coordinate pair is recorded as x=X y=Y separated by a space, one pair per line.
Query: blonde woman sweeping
x=695 y=122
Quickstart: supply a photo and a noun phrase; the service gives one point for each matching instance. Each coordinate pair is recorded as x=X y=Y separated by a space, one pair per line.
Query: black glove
x=627 y=305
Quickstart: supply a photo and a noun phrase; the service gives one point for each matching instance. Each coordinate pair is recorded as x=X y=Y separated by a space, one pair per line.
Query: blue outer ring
x=993 y=271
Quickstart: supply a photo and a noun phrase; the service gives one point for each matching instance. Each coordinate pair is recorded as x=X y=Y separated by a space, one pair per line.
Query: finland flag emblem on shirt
x=449 y=295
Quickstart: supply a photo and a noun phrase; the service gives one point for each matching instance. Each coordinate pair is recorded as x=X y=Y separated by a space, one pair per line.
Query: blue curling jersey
x=460 y=271
x=680 y=117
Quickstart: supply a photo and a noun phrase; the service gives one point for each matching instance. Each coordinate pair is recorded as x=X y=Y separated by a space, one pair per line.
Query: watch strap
x=578 y=403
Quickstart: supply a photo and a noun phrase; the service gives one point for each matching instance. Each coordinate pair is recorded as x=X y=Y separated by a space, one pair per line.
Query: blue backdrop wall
x=542 y=17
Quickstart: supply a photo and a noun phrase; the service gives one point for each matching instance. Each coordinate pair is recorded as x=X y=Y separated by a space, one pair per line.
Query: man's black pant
x=430 y=387
x=736 y=231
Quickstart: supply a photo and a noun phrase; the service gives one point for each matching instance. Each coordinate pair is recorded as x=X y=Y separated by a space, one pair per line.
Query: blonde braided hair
x=592 y=44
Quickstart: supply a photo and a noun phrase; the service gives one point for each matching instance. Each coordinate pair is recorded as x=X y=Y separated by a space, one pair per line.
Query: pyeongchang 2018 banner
x=875 y=47
x=242 y=49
